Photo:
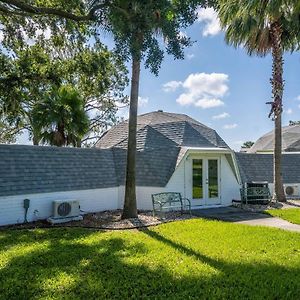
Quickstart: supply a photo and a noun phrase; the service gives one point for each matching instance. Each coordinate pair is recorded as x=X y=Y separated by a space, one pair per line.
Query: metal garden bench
x=168 y=201
x=255 y=195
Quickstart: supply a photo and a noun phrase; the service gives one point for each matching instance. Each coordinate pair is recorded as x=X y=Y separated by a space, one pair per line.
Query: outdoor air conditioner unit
x=65 y=210
x=291 y=190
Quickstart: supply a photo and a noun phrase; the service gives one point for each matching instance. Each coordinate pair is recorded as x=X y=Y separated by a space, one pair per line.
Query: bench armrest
x=187 y=200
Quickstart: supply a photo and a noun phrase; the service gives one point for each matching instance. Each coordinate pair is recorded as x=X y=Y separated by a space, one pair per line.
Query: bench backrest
x=166 y=198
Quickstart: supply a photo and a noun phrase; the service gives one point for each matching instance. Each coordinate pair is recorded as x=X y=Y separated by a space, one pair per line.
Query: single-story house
x=174 y=153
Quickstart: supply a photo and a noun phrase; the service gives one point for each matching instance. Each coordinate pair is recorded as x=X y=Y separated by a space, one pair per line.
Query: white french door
x=205 y=181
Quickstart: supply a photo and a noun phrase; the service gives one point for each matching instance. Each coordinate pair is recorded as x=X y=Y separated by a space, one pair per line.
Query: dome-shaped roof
x=158 y=129
x=290 y=140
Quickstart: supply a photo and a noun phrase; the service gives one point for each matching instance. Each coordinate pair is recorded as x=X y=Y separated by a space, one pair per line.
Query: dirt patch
x=108 y=220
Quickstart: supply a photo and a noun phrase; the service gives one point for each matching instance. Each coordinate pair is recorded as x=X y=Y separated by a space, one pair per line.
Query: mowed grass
x=290 y=214
x=194 y=259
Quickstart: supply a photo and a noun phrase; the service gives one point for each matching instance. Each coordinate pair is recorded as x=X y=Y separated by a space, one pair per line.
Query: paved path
x=236 y=215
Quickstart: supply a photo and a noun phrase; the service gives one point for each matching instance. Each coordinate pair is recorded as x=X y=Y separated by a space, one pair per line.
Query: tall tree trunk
x=35 y=140
x=130 y=207
x=277 y=91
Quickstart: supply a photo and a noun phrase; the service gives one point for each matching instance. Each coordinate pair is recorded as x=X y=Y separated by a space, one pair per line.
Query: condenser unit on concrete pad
x=65 y=211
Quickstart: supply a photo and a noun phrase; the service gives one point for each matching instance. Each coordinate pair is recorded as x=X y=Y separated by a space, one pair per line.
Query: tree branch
x=18 y=7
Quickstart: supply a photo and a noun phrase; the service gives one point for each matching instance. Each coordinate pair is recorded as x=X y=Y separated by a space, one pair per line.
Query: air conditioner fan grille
x=289 y=190
x=64 y=209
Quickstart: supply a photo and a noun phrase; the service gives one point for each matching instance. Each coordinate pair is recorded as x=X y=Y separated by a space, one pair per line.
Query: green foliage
x=248 y=23
x=143 y=29
x=292 y=123
x=59 y=119
x=194 y=259
x=97 y=74
x=248 y=144
x=17 y=27
x=292 y=214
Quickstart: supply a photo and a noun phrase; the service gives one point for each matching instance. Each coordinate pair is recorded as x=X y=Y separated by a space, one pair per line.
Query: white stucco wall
x=271 y=187
x=12 y=211
x=181 y=180
x=143 y=195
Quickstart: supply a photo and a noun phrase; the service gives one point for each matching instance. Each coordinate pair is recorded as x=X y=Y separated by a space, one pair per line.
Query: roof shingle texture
x=179 y=128
x=259 y=167
x=290 y=140
x=160 y=136
x=33 y=169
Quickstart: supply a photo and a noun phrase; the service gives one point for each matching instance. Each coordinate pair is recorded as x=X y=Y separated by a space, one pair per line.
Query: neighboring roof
x=290 y=140
x=259 y=167
x=178 y=128
x=34 y=169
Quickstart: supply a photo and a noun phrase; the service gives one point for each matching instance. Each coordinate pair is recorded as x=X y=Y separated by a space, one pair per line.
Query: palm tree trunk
x=35 y=140
x=130 y=206
x=277 y=91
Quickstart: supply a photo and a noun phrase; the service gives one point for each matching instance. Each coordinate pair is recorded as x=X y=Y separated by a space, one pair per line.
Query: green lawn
x=194 y=259
x=291 y=214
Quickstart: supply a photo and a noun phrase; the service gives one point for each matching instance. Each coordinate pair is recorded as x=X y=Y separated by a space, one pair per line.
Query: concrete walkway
x=237 y=215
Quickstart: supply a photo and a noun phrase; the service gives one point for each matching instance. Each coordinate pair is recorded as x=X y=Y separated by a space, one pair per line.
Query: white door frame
x=206 y=201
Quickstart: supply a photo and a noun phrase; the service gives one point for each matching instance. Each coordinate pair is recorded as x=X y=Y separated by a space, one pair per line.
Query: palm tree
x=139 y=29
x=60 y=119
x=263 y=27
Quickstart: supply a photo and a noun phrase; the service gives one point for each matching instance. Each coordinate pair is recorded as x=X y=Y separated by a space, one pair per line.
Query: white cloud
x=142 y=102
x=230 y=126
x=204 y=90
x=289 y=111
x=221 y=116
x=209 y=17
x=209 y=103
x=190 y=56
x=203 y=83
x=298 y=98
x=172 y=86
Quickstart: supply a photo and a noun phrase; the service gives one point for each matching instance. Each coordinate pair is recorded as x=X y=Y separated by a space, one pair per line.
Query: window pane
x=213 y=189
x=197 y=179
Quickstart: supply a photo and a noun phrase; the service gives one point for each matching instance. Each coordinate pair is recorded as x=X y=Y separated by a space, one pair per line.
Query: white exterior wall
x=181 y=180
x=12 y=211
x=230 y=188
x=271 y=187
x=143 y=195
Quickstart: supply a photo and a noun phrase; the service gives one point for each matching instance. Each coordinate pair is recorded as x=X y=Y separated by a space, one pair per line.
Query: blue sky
x=218 y=85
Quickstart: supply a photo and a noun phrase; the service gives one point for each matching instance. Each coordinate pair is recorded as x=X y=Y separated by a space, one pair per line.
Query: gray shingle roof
x=179 y=128
x=160 y=138
x=33 y=169
x=259 y=167
x=290 y=140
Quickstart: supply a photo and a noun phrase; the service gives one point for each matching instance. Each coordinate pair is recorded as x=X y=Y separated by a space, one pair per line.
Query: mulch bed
x=259 y=207
x=110 y=220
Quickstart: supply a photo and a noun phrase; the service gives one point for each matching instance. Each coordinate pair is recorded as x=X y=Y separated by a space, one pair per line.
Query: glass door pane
x=213 y=180
x=197 y=178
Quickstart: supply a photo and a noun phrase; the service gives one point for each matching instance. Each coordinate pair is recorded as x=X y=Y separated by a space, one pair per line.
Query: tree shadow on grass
x=115 y=267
